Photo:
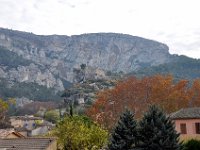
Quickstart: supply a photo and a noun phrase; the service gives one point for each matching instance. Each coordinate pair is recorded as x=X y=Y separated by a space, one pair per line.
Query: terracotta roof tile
x=5 y=132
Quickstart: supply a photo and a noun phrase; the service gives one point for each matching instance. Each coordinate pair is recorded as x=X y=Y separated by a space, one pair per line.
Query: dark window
x=25 y=125
x=183 y=128
x=197 y=125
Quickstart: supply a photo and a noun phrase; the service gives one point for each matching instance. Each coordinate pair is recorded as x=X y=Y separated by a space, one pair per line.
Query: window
x=25 y=125
x=183 y=128
x=197 y=126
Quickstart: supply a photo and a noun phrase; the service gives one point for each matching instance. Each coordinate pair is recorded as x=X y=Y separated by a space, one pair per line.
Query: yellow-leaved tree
x=4 y=123
x=79 y=132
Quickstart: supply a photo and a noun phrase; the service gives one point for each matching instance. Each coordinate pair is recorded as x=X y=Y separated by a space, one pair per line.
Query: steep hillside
x=181 y=67
x=54 y=62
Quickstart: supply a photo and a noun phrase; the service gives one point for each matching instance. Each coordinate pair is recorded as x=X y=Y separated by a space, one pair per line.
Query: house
x=30 y=126
x=9 y=134
x=42 y=128
x=187 y=122
x=28 y=122
x=23 y=131
x=28 y=144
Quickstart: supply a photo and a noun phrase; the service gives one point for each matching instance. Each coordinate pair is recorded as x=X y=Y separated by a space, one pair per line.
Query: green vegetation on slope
x=11 y=59
x=181 y=68
x=32 y=91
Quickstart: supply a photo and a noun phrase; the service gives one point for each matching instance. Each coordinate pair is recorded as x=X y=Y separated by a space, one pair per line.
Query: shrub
x=192 y=144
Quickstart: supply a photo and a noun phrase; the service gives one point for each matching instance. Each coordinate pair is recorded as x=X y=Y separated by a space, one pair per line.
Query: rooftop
x=5 y=132
x=26 y=143
x=186 y=113
x=26 y=118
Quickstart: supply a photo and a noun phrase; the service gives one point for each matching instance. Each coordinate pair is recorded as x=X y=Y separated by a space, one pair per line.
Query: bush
x=52 y=116
x=192 y=144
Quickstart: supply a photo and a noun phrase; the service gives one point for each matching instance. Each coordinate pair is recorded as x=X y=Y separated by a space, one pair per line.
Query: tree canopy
x=137 y=94
x=157 y=131
x=79 y=132
x=125 y=133
x=4 y=122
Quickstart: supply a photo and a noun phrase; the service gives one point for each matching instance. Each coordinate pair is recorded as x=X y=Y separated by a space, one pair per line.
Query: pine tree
x=157 y=132
x=124 y=134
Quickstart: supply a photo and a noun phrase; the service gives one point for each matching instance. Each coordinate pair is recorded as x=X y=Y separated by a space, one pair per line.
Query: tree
x=83 y=66
x=4 y=108
x=125 y=133
x=12 y=106
x=138 y=93
x=195 y=94
x=79 y=132
x=4 y=122
x=51 y=116
x=37 y=108
x=156 y=131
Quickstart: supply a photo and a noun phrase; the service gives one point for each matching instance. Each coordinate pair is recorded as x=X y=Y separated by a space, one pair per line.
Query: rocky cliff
x=52 y=60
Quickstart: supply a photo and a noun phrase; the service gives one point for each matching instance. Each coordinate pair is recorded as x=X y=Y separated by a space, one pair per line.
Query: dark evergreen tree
x=157 y=132
x=124 y=134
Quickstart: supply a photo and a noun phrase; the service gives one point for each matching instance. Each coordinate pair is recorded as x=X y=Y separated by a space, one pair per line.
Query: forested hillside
x=181 y=67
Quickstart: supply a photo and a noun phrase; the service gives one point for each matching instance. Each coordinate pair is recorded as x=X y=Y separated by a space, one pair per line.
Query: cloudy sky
x=174 y=22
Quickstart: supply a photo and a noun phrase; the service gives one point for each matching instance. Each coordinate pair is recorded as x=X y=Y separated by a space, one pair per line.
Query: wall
x=30 y=124
x=53 y=145
x=24 y=133
x=16 y=123
x=12 y=136
x=39 y=131
x=190 y=127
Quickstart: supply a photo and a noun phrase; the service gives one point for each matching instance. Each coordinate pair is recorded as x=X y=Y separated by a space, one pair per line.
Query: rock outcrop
x=51 y=60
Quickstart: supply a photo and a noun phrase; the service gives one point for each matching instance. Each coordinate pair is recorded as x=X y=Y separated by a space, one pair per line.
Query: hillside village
x=47 y=124
x=29 y=130
x=123 y=98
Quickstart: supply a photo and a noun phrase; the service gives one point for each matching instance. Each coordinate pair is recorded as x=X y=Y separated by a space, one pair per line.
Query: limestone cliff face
x=53 y=58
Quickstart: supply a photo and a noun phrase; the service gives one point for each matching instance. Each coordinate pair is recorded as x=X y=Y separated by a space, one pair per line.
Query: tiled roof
x=26 y=118
x=26 y=143
x=46 y=123
x=5 y=132
x=21 y=129
x=186 y=113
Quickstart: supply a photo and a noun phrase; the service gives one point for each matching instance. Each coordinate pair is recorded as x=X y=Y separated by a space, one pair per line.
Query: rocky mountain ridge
x=54 y=61
x=55 y=55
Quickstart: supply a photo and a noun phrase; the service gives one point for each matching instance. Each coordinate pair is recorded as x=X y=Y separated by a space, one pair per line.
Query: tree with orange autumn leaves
x=136 y=94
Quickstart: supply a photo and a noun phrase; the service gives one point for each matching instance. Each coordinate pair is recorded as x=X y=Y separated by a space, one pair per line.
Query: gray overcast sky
x=174 y=22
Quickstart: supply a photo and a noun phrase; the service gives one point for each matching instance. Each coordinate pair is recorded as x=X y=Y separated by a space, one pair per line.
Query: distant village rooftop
x=9 y=133
x=28 y=117
x=28 y=144
x=186 y=113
